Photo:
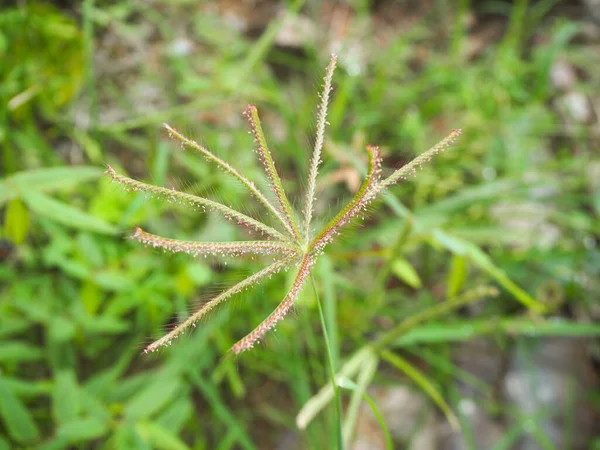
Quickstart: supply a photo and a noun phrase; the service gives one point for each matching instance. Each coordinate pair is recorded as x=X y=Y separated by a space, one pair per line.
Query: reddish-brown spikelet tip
x=373 y=149
x=137 y=233
x=249 y=110
x=110 y=171
x=457 y=132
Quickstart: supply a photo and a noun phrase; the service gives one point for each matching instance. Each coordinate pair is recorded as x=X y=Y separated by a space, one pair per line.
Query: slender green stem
x=336 y=390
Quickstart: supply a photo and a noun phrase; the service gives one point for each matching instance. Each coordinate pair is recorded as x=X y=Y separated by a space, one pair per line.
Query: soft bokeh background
x=514 y=206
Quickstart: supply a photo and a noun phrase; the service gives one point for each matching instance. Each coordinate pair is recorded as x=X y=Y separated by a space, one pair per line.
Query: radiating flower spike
x=246 y=283
x=193 y=200
x=359 y=202
x=294 y=249
x=410 y=169
x=227 y=168
x=316 y=156
x=265 y=157
x=280 y=312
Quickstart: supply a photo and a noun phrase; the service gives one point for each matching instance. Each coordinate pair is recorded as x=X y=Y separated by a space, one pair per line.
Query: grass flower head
x=293 y=243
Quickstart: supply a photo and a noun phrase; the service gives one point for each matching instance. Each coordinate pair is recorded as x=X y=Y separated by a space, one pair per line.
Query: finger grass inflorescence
x=295 y=245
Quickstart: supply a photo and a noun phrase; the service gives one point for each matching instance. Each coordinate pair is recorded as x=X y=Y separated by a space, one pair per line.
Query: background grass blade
x=424 y=383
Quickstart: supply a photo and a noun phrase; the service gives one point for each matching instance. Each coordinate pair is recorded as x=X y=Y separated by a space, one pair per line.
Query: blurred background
x=465 y=306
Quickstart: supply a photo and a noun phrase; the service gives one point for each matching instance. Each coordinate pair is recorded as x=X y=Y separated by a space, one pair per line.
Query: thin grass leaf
x=322 y=398
x=153 y=397
x=46 y=179
x=326 y=276
x=461 y=331
x=265 y=157
x=215 y=248
x=199 y=202
x=336 y=391
x=360 y=391
x=159 y=437
x=468 y=249
x=63 y=213
x=424 y=383
x=316 y=156
x=16 y=418
x=220 y=408
x=191 y=321
x=526 y=424
x=227 y=168
x=280 y=312
x=407 y=324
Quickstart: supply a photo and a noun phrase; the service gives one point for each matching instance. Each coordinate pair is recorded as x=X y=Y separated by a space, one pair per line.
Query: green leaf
x=102 y=325
x=42 y=180
x=12 y=325
x=82 y=430
x=16 y=222
x=154 y=397
x=474 y=253
x=220 y=409
x=464 y=330
x=4 y=444
x=159 y=437
x=113 y=280
x=29 y=388
x=91 y=297
x=14 y=351
x=200 y=274
x=175 y=416
x=65 y=214
x=430 y=312
x=90 y=146
x=406 y=272
x=18 y=421
x=65 y=397
x=457 y=275
x=60 y=330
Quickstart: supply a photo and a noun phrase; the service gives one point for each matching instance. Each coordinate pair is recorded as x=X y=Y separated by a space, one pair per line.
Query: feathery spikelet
x=227 y=168
x=193 y=200
x=191 y=321
x=316 y=156
x=280 y=312
x=363 y=197
x=215 y=248
x=293 y=246
x=265 y=157
x=410 y=169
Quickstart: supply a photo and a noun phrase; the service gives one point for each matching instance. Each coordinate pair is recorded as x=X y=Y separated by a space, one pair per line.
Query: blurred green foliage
x=77 y=299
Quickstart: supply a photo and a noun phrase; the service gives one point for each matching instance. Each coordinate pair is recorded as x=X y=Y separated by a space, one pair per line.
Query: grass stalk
x=336 y=389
